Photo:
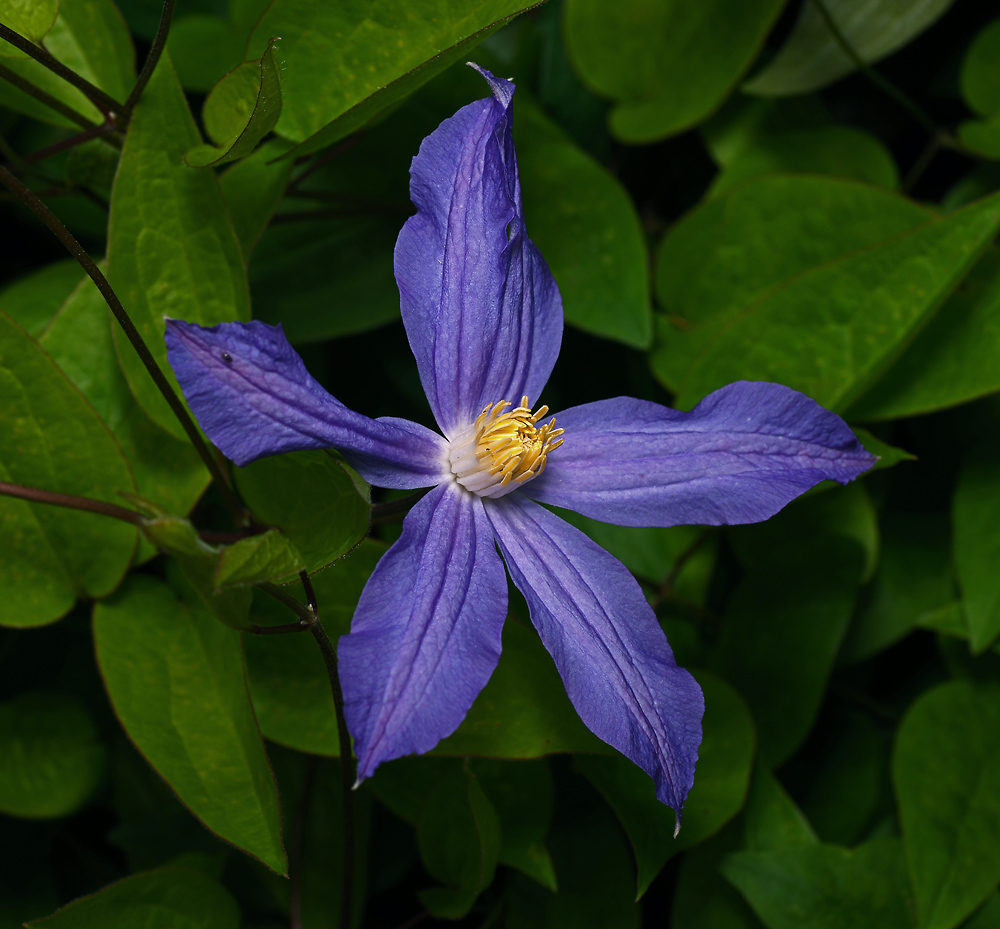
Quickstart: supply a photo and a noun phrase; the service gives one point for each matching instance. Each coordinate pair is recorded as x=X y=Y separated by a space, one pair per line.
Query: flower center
x=503 y=449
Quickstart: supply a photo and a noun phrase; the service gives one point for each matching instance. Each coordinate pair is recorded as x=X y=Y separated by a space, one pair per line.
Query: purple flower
x=484 y=319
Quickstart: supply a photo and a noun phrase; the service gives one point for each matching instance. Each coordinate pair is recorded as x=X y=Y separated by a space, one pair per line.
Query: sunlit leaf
x=176 y=682
x=89 y=37
x=314 y=499
x=172 y=251
x=240 y=110
x=343 y=77
x=53 y=440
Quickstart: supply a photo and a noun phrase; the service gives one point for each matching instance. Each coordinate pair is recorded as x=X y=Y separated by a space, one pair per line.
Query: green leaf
x=812 y=56
x=720 y=261
x=949 y=619
x=668 y=65
x=315 y=787
x=253 y=188
x=167 y=898
x=177 y=684
x=788 y=616
x=194 y=580
x=523 y=712
x=946 y=769
x=265 y=557
x=53 y=440
x=839 y=151
x=31 y=18
x=203 y=48
x=773 y=821
x=704 y=899
x=955 y=359
x=342 y=268
x=583 y=221
x=172 y=251
x=888 y=455
x=79 y=339
x=288 y=679
x=89 y=37
x=339 y=75
x=980 y=80
x=832 y=331
x=521 y=793
x=240 y=110
x=846 y=792
x=720 y=784
x=982 y=136
x=596 y=879
x=459 y=839
x=33 y=300
x=988 y=917
x=914 y=577
x=975 y=512
x=316 y=501
x=825 y=886
x=51 y=760
x=651 y=552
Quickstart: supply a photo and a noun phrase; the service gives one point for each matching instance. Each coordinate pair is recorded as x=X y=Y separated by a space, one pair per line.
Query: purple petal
x=738 y=457
x=614 y=659
x=481 y=309
x=426 y=635
x=252 y=395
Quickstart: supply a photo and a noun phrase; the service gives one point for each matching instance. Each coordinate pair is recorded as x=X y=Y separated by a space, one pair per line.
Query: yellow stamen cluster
x=503 y=449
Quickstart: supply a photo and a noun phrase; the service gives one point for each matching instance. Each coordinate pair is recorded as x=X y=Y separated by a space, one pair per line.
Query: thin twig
x=346 y=774
x=307 y=617
x=298 y=841
x=142 y=350
x=325 y=159
x=933 y=146
x=152 y=59
x=885 y=85
x=12 y=77
x=392 y=511
x=371 y=209
x=107 y=104
x=87 y=504
x=94 y=132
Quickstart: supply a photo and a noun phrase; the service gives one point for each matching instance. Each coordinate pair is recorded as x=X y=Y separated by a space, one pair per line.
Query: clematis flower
x=484 y=319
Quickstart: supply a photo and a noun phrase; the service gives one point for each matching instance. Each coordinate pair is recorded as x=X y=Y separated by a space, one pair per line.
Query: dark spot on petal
x=227 y=358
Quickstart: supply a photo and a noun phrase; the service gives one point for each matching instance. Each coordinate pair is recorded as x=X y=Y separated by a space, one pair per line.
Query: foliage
x=802 y=192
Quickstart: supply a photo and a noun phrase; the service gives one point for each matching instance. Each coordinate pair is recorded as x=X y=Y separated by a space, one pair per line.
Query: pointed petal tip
x=502 y=89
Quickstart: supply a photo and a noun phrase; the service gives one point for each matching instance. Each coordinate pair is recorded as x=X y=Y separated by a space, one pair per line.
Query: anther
x=503 y=449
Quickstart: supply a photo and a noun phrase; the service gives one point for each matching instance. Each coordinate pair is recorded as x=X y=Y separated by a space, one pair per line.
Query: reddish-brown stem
x=87 y=504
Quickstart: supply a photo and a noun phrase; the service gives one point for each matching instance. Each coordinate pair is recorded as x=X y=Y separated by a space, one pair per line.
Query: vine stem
x=107 y=104
x=142 y=350
x=309 y=620
x=886 y=86
x=152 y=59
x=346 y=766
x=12 y=77
x=87 y=504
